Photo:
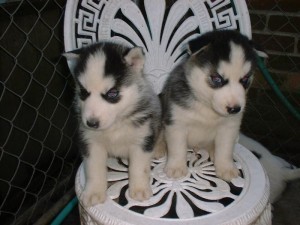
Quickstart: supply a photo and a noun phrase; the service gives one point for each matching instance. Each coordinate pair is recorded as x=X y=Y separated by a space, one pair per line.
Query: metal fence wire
x=39 y=155
x=276 y=27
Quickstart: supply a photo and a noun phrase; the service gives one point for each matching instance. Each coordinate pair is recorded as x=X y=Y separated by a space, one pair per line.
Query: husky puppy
x=204 y=99
x=119 y=116
x=278 y=170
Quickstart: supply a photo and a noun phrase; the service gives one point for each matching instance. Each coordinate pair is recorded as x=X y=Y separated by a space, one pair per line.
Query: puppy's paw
x=140 y=193
x=227 y=173
x=176 y=171
x=93 y=196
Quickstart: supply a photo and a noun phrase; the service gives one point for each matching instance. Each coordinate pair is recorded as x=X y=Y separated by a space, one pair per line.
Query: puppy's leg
x=95 y=169
x=160 y=148
x=211 y=151
x=223 y=158
x=177 y=150
x=139 y=174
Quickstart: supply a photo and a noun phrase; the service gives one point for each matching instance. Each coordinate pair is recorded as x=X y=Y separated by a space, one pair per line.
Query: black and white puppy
x=204 y=99
x=119 y=116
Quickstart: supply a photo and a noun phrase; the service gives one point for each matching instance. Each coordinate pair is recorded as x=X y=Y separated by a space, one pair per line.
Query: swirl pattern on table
x=199 y=193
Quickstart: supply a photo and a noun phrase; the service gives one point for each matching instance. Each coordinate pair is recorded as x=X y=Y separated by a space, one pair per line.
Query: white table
x=198 y=198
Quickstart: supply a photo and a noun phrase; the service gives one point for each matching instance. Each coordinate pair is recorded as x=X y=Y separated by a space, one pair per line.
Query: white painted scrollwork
x=162 y=30
x=199 y=197
x=200 y=192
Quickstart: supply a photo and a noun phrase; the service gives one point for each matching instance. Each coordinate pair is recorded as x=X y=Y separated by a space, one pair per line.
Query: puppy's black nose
x=234 y=109
x=93 y=123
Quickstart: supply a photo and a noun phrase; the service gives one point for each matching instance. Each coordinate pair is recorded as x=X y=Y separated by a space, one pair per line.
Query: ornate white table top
x=200 y=197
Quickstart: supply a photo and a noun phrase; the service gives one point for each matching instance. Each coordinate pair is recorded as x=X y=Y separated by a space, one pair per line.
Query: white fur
x=278 y=170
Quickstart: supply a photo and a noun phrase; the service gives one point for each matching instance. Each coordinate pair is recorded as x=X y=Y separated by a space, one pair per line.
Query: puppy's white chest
x=200 y=125
x=117 y=140
x=200 y=135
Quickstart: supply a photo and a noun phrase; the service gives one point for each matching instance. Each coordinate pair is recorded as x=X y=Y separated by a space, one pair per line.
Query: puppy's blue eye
x=245 y=81
x=112 y=93
x=112 y=96
x=217 y=81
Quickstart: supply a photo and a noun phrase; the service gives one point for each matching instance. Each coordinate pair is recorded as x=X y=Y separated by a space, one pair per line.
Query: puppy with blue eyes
x=204 y=99
x=119 y=115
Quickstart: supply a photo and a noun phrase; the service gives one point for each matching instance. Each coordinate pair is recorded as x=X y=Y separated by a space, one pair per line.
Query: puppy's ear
x=198 y=44
x=72 y=58
x=258 y=50
x=135 y=58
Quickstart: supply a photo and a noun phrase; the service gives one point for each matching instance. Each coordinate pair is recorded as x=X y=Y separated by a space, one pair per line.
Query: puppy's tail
x=160 y=148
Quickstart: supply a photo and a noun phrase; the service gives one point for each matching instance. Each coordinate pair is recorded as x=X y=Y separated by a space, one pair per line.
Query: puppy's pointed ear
x=258 y=50
x=135 y=58
x=198 y=44
x=72 y=58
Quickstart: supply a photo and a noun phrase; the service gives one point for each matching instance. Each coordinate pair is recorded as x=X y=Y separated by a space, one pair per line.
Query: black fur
x=176 y=90
x=149 y=142
x=180 y=90
x=115 y=64
x=216 y=50
x=142 y=114
x=140 y=121
x=142 y=105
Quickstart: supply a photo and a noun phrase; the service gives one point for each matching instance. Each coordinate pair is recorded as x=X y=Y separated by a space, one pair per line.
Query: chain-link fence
x=39 y=157
x=276 y=27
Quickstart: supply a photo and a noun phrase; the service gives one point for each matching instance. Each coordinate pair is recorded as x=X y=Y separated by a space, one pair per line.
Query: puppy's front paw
x=93 y=196
x=176 y=171
x=140 y=193
x=227 y=173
